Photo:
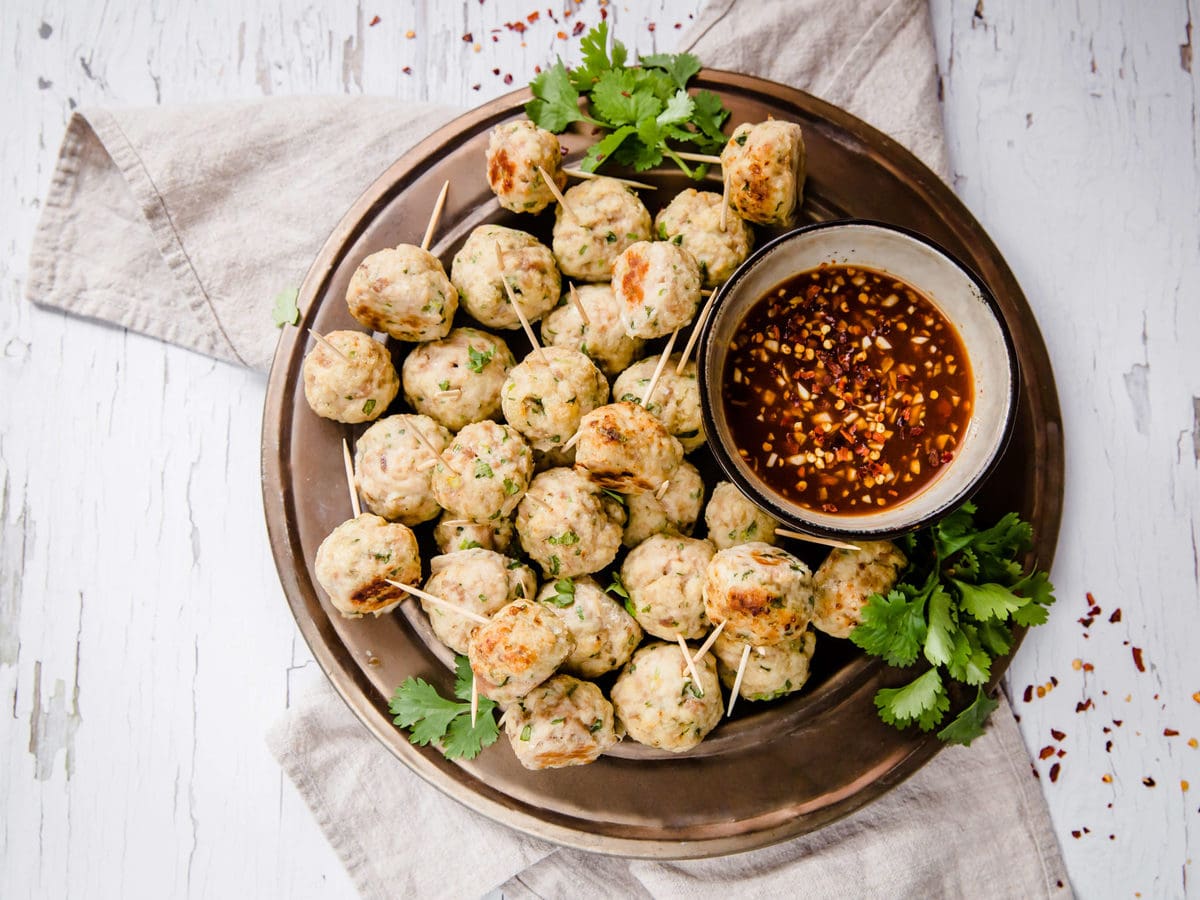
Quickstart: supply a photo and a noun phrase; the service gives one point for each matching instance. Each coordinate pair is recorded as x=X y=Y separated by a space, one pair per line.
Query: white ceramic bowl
x=953 y=288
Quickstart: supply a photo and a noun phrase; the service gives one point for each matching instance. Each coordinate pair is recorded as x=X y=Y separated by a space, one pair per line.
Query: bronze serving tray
x=775 y=770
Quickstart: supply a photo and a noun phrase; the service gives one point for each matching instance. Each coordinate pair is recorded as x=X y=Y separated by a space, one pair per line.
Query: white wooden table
x=145 y=645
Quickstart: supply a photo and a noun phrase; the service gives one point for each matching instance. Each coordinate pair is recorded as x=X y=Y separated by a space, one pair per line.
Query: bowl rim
x=710 y=392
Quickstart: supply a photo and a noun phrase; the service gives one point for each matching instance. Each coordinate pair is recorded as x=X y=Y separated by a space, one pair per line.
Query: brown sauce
x=848 y=390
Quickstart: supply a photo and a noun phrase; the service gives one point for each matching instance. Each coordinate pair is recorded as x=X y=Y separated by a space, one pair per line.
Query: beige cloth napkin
x=147 y=224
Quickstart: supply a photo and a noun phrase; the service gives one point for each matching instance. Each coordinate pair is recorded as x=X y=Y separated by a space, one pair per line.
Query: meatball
x=515 y=151
x=517 y=650
x=453 y=533
x=675 y=401
x=405 y=292
x=562 y=722
x=693 y=221
x=565 y=527
x=770 y=671
x=664 y=577
x=732 y=519
x=483 y=473
x=457 y=380
x=544 y=398
x=358 y=558
x=528 y=267
x=847 y=578
x=677 y=509
x=763 y=594
x=659 y=705
x=763 y=167
x=623 y=447
x=605 y=634
x=606 y=217
x=387 y=467
x=603 y=338
x=658 y=287
x=356 y=386
x=478 y=580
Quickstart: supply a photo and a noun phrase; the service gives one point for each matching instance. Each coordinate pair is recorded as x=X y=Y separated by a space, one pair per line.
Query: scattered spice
x=407 y=70
x=578 y=29
x=1085 y=706
x=1169 y=732
x=1028 y=696
x=374 y=21
x=1116 y=616
x=1193 y=743
x=1148 y=781
x=1106 y=778
x=1183 y=785
x=468 y=38
x=508 y=79
x=1057 y=735
x=1054 y=770
x=410 y=34
x=1137 y=659
x=1047 y=752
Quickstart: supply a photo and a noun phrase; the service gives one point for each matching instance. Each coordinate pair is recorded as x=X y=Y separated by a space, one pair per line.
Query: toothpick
x=539 y=501
x=709 y=641
x=573 y=441
x=435 y=216
x=699 y=157
x=578 y=305
x=428 y=464
x=691 y=666
x=434 y=450
x=724 y=200
x=697 y=327
x=579 y=173
x=452 y=392
x=562 y=201
x=474 y=699
x=438 y=601
x=813 y=539
x=737 y=682
x=537 y=348
x=662 y=489
x=328 y=345
x=457 y=522
x=658 y=370
x=350 y=479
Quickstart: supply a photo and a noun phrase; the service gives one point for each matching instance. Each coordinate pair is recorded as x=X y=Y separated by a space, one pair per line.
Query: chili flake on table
x=848 y=389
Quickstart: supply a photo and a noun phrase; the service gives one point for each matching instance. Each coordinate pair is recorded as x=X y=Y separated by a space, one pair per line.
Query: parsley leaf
x=417 y=706
x=285 y=311
x=968 y=724
x=922 y=701
x=617 y=587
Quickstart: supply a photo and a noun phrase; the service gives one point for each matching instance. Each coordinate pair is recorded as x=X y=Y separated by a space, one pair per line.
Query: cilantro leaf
x=892 y=627
x=564 y=593
x=595 y=57
x=617 y=587
x=955 y=532
x=463 y=676
x=616 y=99
x=463 y=741
x=679 y=109
x=477 y=360
x=995 y=637
x=555 y=103
x=939 y=640
x=680 y=66
x=417 y=706
x=285 y=311
x=969 y=724
x=709 y=114
x=922 y=701
x=969 y=661
x=988 y=601
x=604 y=148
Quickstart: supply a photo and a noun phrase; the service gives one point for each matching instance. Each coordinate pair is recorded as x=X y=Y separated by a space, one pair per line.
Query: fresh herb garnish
x=643 y=107
x=482 y=469
x=962 y=593
x=429 y=717
x=369 y=407
x=285 y=311
x=478 y=359
x=564 y=593
x=620 y=498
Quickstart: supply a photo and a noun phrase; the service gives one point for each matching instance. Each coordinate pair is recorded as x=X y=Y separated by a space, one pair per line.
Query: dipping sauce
x=848 y=390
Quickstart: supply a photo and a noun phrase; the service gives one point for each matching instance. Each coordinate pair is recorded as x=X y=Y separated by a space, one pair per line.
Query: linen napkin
x=146 y=225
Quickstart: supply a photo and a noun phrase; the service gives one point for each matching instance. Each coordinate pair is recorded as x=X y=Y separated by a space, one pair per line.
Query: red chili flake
x=562 y=35
x=533 y=17
x=1090 y=599
x=1118 y=722
x=1094 y=611
x=1137 y=659
x=1169 y=732
x=1028 y=695
x=678 y=24
x=1047 y=752
x=1088 y=667
x=537 y=70
x=495 y=71
x=1076 y=834
x=375 y=21
x=1112 y=837
x=508 y=78
x=476 y=87
x=578 y=29
x=1116 y=616
x=651 y=27
x=1054 y=681
x=1086 y=830
x=1084 y=707
x=1108 y=746
x=1086 y=622
x=1106 y=730
x=1148 y=781
x=1062 y=753
x=604 y=13
x=1057 y=735
x=1054 y=770
x=495 y=40
x=468 y=38
x=407 y=70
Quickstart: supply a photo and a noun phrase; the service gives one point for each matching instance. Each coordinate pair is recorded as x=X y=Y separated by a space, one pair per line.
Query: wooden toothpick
x=354 y=505
x=435 y=217
x=697 y=326
x=537 y=348
x=474 y=699
x=573 y=441
x=325 y=343
x=709 y=641
x=427 y=465
x=579 y=173
x=578 y=304
x=438 y=601
x=662 y=489
x=434 y=450
x=737 y=681
x=813 y=539
x=562 y=201
x=724 y=199
x=658 y=370
x=691 y=665
x=699 y=157
x=447 y=394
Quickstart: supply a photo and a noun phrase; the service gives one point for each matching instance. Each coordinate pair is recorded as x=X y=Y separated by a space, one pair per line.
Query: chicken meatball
x=388 y=471
x=517 y=650
x=353 y=385
x=658 y=287
x=658 y=703
x=453 y=533
x=404 y=292
x=693 y=221
x=677 y=509
x=528 y=268
x=626 y=449
x=484 y=472
x=477 y=580
x=603 y=338
x=565 y=527
x=358 y=558
x=763 y=167
x=514 y=153
x=562 y=722
x=771 y=671
x=457 y=380
x=847 y=578
x=664 y=577
x=547 y=394
x=605 y=634
x=606 y=217
x=732 y=519
x=675 y=401
x=763 y=594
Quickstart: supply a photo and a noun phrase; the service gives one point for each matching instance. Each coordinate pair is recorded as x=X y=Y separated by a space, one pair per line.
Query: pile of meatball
x=559 y=494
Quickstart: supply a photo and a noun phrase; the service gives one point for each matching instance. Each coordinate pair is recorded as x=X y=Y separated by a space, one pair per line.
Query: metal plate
x=774 y=771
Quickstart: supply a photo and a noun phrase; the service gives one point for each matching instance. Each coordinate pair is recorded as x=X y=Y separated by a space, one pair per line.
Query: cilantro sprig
x=643 y=107
x=430 y=717
x=955 y=608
